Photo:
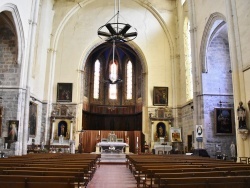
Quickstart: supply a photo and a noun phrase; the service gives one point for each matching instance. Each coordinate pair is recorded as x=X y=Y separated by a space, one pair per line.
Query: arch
x=206 y=37
x=74 y=9
x=19 y=29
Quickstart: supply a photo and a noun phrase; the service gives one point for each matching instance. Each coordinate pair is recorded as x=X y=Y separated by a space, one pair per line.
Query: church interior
x=125 y=77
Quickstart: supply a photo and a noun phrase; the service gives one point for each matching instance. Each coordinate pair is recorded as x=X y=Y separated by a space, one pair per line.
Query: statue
x=241 y=112
x=232 y=149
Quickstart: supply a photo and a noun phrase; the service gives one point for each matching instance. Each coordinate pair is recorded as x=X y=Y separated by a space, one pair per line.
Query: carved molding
x=243 y=133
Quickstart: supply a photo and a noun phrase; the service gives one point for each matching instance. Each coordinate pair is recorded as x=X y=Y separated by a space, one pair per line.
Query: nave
x=112 y=176
x=60 y=170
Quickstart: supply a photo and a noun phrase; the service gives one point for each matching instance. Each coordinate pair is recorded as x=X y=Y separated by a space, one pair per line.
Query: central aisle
x=112 y=176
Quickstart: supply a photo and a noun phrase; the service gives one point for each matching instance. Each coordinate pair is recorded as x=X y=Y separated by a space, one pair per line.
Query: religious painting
x=32 y=119
x=199 y=131
x=13 y=130
x=161 y=130
x=160 y=96
x=64 y=92
x=223 y=121
x=175 y=134
x=64 y=110
x=160 y=112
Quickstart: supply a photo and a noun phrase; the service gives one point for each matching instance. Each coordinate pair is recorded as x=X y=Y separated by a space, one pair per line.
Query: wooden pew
x=51 y=164
x=18 y=181
x=205 y=182
x=79 y=176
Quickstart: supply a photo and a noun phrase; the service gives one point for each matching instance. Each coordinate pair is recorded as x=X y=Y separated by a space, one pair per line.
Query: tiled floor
x=112 y=176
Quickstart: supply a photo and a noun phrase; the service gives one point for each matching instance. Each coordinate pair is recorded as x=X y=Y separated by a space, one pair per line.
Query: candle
x=125 y=133
x=99 y=132
x=137 y=139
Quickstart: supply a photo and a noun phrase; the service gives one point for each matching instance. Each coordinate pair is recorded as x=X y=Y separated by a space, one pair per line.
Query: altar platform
x=113 y=158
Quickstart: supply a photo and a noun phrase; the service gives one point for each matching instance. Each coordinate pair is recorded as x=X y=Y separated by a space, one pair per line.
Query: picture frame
x=64 y=92
x=199 y=131
x=32 y=119
x=13 y=130
x=175 y=134
x=160 y=96
x=224 y=121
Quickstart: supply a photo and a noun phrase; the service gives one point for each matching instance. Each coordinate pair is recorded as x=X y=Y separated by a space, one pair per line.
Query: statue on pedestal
x=241 y=112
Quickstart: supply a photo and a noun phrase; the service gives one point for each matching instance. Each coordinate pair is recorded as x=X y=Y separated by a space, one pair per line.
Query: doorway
x=189 y=143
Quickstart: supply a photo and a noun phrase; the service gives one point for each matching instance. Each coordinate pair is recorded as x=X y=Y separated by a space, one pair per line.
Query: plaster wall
x=242 y=11
x=79 y=34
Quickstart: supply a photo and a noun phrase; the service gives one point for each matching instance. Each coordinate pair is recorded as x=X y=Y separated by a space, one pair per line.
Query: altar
x=112 y=147
x=164 y=148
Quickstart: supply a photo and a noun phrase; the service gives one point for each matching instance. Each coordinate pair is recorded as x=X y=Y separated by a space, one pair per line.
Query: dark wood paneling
x=96 y=121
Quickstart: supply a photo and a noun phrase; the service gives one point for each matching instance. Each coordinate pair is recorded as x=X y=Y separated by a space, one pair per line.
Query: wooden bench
x=18 y=181
x=205 y=182
x=80 y=177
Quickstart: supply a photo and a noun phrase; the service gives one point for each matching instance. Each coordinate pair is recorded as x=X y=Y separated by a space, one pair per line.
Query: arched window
x=113 y=75
x=188 y=60
x=129 y=80
x=97 y=79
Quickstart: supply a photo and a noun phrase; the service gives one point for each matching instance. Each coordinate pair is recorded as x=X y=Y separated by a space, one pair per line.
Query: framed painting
x=224 y=121
x=199 y=131
x=13 y=130
x=64 y=92
x=175 y=134
x=32 y=119
x=160 y=96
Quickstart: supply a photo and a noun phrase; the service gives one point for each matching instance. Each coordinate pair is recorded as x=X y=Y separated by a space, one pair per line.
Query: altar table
x=103 y=145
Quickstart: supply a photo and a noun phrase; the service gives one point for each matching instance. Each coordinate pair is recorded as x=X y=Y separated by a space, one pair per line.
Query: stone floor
x=113 y=158
x=112 y=176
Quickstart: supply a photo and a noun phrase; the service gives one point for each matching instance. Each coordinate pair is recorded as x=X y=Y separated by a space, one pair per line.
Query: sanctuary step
x=113 y=158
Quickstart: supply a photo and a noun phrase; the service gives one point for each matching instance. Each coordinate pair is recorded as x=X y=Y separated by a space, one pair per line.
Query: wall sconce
x=243 y=133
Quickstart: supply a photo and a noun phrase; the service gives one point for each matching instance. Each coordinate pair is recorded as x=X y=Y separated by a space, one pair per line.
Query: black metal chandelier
x=117 y=32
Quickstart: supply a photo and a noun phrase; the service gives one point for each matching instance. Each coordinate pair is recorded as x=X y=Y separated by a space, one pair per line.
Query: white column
x=52 y=132
x=71 y=129
x=236 y=62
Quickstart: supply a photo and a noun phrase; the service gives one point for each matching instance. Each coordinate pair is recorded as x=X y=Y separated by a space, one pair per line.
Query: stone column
x=52 y=131
x=237 y=74
x=71 y=129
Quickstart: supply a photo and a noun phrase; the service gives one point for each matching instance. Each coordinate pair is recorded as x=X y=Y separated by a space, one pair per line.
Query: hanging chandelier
x=116 y=31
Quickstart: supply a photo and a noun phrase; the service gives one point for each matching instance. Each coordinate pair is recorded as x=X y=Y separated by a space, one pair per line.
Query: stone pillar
x=237 y=74
x=71 y=129
x=52 y=131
